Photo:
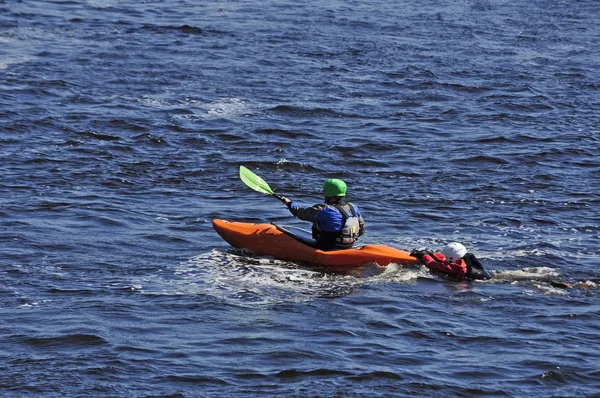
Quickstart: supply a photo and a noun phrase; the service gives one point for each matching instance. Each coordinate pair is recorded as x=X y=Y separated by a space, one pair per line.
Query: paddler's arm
x=476 y=269
x=361 y=221
x=303 y=213
x=361 y=226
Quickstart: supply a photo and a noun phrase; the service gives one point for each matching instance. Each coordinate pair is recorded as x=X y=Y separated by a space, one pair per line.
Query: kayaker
x=336 y=223
x=453 y=260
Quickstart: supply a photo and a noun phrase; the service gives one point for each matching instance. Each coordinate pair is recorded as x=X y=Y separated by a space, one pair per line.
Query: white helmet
x=454 y=251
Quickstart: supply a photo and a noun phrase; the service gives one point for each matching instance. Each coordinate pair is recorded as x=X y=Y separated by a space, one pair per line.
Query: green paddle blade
x=254 y=181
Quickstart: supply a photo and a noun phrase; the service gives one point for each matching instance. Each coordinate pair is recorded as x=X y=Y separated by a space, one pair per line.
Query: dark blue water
x=122 y=128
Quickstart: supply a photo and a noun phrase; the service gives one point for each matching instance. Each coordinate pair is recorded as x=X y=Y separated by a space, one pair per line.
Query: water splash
x=242 y=279
x=526 y=274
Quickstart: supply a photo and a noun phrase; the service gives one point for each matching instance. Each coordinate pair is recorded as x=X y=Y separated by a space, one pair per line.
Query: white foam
x=198 y=109
x=245 y=280
x=9 y=60
x=550 y=290
x=229 y=107
x=526 y=274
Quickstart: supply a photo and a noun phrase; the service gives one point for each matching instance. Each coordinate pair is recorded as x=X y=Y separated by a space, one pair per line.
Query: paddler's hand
x=286 y=201
x=419 y=253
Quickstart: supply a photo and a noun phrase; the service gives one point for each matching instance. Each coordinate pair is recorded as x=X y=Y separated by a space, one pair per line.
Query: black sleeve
x=476 y=270
x=419 y=253
x=473 y=261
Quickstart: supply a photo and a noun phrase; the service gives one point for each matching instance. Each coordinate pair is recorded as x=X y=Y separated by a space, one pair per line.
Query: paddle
x=255 y=182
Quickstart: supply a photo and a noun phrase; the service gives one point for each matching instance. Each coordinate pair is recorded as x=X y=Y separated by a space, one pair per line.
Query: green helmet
x=334 y=187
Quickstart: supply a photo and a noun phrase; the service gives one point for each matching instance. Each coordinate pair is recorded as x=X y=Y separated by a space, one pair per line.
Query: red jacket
x=438 y=262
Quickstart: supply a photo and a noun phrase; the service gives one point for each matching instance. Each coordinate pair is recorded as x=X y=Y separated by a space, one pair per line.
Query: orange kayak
x=294 y=244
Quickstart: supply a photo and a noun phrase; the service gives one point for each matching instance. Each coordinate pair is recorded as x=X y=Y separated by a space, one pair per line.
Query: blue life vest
x=341 y=214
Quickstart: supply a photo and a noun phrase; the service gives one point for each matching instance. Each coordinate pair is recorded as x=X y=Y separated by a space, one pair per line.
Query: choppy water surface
x=122 y=128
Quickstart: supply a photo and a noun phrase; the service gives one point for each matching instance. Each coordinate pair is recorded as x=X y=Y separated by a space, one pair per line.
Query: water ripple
x=123 y=129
